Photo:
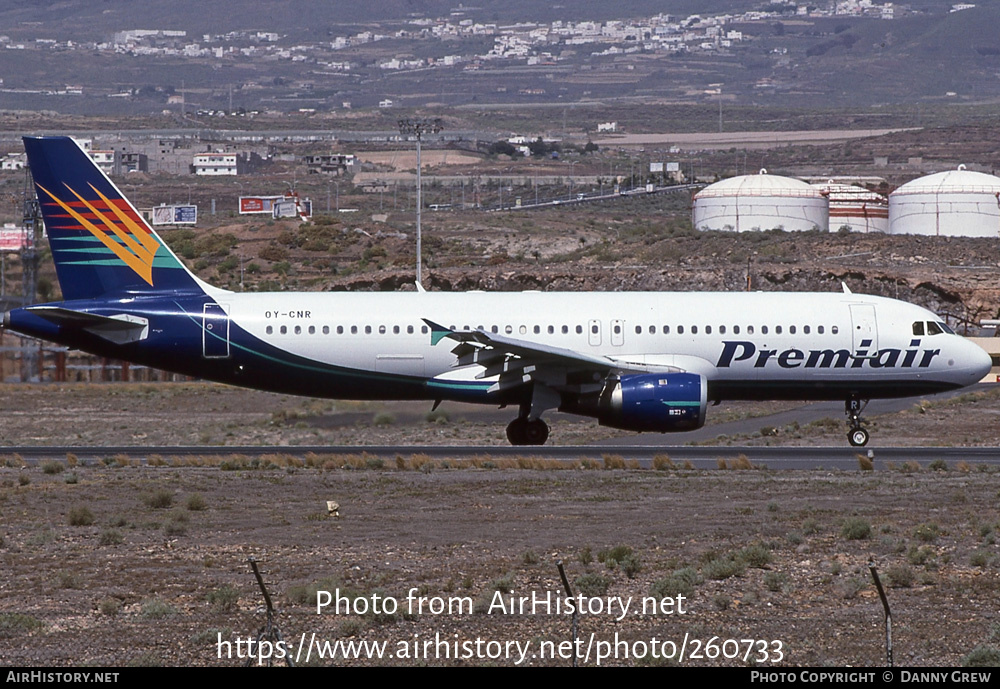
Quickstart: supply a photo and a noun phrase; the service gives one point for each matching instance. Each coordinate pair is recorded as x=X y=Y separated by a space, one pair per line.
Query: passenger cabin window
x=763 y=330
x=722 y=330
x=312 y=329
x=680 y=329
x=638 y=330
x=537 y=329
x=777 y=329
x=409 y=330
x=666 y=330
x=368 y=329
x=326 y=330
x=736 y=330
x=694 y=329
x=354 y=330
x=284 y=329
x=552 y=329
x=579 y=330
x=565 y=329
x=708 y=330
x=298 y=330
x=819 y=329
x=269 y=330
x=834 y=330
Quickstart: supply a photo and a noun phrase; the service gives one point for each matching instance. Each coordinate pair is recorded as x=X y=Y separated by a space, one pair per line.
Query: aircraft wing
x=519 y=362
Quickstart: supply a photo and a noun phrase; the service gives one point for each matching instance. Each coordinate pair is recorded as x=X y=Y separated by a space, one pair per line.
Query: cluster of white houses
x=165 y=155
x=953 y=203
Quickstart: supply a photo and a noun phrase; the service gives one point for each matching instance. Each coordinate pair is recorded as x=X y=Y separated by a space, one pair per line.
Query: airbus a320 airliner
x=640 y=361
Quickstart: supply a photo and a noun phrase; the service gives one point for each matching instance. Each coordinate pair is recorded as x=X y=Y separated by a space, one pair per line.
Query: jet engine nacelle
x=660 y=402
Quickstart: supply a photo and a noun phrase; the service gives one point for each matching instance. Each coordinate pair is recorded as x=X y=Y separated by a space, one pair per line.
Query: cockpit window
x=918 y=328
x=944 y=327
x=933 y=328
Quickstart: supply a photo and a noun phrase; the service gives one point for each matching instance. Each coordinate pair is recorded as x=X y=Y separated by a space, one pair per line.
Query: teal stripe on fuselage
x=459 y=385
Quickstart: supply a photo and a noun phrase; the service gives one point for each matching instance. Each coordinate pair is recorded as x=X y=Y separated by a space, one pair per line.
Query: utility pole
x=720 y=108
x=418 y=127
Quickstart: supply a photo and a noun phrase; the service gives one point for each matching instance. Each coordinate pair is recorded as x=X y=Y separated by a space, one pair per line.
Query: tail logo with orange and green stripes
x=137 y=247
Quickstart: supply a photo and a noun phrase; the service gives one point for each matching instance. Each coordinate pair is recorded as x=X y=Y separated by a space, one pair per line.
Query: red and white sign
x=12 y=238
x=258 y=204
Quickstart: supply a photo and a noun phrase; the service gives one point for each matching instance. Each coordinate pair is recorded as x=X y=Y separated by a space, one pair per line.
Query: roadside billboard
x=12 y=238
x=250 y=205
x=285 y=209
x=175 y=215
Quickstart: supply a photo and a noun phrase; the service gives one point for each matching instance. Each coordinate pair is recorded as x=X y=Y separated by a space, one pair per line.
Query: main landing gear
x=858 y=435
x=521 y=431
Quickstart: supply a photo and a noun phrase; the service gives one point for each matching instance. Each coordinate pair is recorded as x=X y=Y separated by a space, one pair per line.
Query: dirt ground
x=120 y=564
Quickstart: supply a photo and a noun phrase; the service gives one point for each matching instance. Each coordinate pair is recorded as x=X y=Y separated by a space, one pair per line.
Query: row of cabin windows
x=722 y=330
x=354 y=330
x=594 y=328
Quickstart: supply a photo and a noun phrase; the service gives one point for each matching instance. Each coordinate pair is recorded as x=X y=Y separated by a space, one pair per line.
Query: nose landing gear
x=858 y=435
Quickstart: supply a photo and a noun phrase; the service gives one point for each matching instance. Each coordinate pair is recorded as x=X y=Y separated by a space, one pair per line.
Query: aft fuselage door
x=865 y=329
x=214 y=332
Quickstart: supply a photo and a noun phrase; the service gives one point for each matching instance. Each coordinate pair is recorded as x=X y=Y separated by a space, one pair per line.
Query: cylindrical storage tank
x=957 y=203
x=760 y=202
x=855 y=209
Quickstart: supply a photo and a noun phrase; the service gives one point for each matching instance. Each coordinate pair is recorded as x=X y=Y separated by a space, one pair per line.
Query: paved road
x=640 y=447
x=702 y=457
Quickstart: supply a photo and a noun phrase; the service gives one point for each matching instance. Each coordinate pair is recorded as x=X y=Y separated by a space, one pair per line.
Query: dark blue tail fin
x=100 y=243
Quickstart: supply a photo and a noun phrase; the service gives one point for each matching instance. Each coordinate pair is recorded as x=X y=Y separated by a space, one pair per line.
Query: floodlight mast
x=415 y=126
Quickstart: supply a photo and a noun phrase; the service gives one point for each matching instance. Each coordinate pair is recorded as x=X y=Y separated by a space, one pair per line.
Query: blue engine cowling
x=661 y=402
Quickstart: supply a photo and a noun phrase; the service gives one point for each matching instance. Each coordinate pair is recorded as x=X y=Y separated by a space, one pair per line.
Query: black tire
x=857 y=437
x=536 y=432
x=517 y=432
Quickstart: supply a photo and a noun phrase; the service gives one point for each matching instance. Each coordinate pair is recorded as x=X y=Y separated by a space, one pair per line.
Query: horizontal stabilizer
x=120 y=328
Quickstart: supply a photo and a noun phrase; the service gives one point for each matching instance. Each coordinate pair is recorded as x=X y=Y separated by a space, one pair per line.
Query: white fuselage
x=741 y=338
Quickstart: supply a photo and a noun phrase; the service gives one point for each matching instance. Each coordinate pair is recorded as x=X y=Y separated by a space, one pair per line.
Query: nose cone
x=975 y=363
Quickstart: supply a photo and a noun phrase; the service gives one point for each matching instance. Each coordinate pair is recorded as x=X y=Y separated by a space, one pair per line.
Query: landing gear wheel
x=520 y=431
x=517 y=431
x=536 y=432
x=858 y=437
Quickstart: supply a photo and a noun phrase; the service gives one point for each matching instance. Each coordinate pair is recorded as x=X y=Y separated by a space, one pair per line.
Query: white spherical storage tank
x=760 y=202
x=855 y=209
x=957 y=203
